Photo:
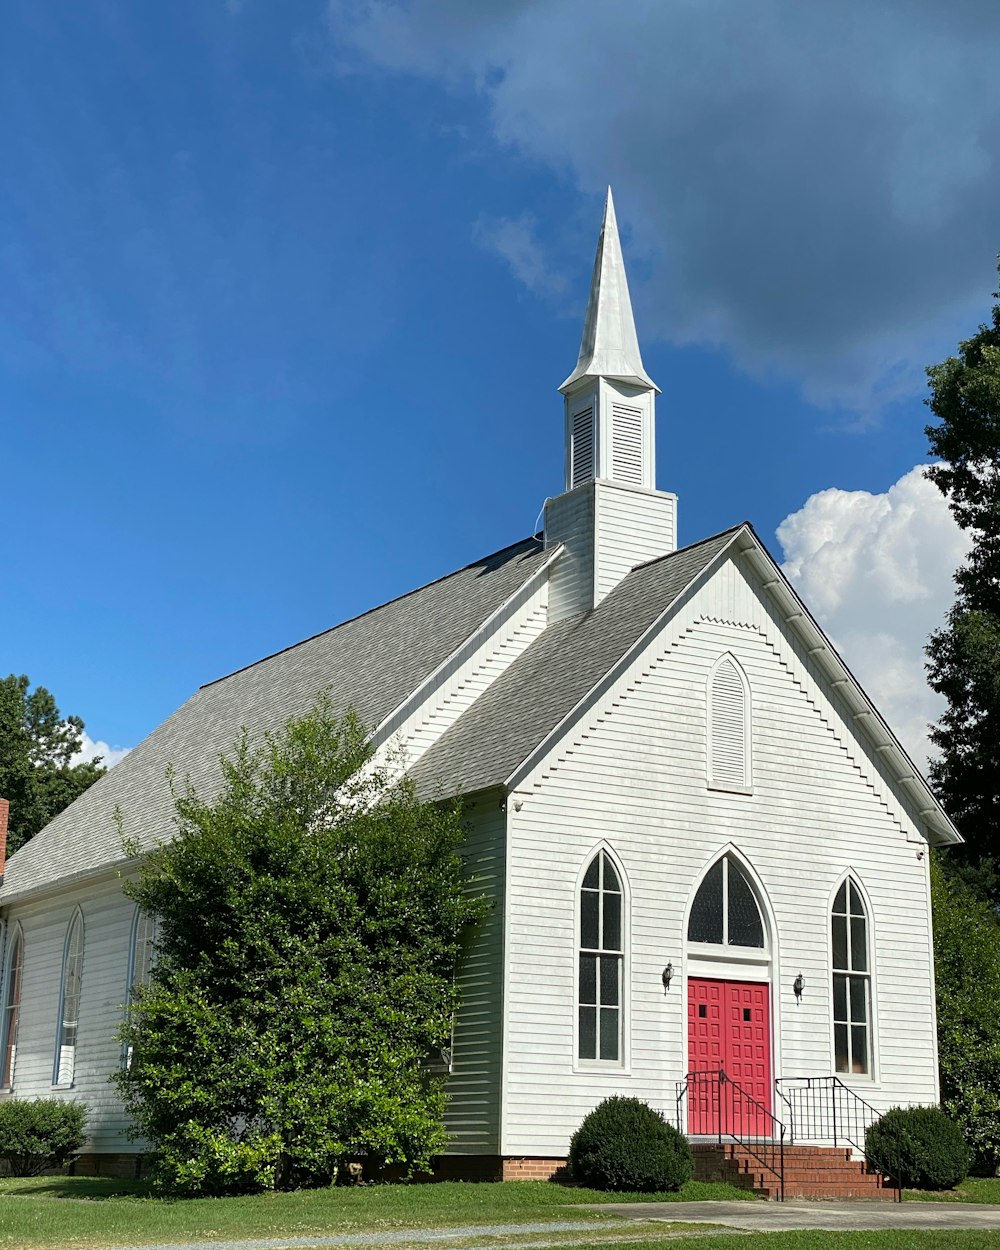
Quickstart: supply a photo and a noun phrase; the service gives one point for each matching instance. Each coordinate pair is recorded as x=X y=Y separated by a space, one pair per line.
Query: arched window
x=140 y=963
x=11 y=999
x=851 y=981
x=728 y=726
x=68 y=1023
x=601 y=957
x=141 y=953
x=725 y=911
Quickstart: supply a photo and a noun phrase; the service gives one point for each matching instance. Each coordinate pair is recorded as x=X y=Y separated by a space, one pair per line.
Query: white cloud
x=876 y=570
x=813 y=187
x=91 y=749
x=515 y=240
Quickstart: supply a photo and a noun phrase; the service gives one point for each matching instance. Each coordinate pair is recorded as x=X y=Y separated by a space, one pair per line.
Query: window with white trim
x=725 y=910
x=11 y=1000
x=728 y=726
x=851 y=981
x=601 y=956
x=68 y=1024
x=140 y=963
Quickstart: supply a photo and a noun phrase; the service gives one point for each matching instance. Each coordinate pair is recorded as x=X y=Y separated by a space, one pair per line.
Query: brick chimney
x=4 y=813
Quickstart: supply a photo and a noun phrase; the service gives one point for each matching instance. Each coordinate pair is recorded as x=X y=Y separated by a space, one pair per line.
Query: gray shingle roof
x=518 y=711
x=371 y=663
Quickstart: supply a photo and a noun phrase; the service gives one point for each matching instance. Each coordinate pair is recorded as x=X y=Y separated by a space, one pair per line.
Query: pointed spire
x=610 y=347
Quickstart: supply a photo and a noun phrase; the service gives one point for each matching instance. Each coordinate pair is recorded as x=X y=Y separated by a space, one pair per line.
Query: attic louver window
x=626 y=444
x=729 y=727
x=583 y=446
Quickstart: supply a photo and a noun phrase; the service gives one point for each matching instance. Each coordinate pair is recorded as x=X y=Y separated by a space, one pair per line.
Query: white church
x=707 y=850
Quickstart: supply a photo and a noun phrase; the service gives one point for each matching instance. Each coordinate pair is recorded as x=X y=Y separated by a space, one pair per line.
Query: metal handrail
x=737 y=1117
x=824 y=1108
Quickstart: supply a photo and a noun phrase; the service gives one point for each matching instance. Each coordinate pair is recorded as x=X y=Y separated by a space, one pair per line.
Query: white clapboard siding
x=473 y=1114
x=633 y=772
x=107 y=919
x=626 y=444
x=582 y=446
x=632 y=526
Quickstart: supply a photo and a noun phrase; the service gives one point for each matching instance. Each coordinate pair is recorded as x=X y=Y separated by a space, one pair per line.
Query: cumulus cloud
x=812 y=187
x=876 y=571
x=90 y=750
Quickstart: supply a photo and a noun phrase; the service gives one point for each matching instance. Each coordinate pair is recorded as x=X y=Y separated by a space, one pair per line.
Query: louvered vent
x=626 y=444
x=583 y=446
x=728 y=740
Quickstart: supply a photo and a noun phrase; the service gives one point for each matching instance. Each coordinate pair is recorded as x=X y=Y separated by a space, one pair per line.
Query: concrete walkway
x=760 y=1217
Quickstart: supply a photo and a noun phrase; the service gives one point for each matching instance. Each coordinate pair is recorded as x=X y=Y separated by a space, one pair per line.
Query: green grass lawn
x=974 y=1189
x=82 y=1211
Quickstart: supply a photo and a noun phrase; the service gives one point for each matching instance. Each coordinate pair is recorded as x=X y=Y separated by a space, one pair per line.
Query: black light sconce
x=798 y=985
x=667 y=976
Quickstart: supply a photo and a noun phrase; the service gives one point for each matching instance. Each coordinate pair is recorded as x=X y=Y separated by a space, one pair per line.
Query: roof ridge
x=537 y=538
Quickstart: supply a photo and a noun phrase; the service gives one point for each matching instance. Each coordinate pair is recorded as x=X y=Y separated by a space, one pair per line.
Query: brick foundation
x=534 y=1170
x=486 y=1168
x=122 y=1166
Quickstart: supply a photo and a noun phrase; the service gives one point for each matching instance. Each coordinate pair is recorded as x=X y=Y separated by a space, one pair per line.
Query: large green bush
x=37 y=1134
x=310 y=919
x=625 y=1144
x=919 y=1147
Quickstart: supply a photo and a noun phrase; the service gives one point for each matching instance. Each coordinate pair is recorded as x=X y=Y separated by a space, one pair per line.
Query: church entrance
x=729 y=1031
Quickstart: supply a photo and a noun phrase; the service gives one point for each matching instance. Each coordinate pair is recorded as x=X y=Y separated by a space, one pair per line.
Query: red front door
x=729 y=1030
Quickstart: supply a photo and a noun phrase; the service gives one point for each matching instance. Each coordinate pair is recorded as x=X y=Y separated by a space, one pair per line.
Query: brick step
x=831 y=1192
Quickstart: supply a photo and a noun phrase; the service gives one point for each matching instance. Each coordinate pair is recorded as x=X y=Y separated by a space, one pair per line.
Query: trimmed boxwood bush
x=37 y=1134
x=919 y=1147
x=625 y=1144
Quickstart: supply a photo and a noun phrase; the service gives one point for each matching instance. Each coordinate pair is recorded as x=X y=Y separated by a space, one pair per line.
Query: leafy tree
x=309 y=923
x=964 y=656
x=967 y=971
x=37 y=746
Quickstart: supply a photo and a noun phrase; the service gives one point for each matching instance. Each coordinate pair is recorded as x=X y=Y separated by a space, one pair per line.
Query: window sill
x=71 y=1085
x=717 y=789
x=583 y=1066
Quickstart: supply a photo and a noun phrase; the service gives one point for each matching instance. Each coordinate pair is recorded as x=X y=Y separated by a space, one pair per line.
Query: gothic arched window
x=601 y=955
x=11 y=999
x=725 y=911
x=728 y=726
x=68 y=1023
x=851 y=981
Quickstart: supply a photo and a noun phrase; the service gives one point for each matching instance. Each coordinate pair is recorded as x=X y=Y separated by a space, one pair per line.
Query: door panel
x=729 y=1030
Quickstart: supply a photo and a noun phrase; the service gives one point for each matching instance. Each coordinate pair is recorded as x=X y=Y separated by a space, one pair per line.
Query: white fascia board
x=862 y=711
x=613 y=673
x=387 y=727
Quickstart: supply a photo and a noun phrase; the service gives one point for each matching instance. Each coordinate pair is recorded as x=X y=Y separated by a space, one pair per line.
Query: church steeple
x=610 y=398
x=611 y=517
x=610 y=346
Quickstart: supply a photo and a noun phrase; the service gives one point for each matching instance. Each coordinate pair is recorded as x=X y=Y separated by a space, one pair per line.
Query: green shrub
x=36 y=1134
x=919 y=1147
x=625 y=1144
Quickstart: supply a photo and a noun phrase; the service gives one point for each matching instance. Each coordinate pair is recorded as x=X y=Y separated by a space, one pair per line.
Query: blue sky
x=287 y=290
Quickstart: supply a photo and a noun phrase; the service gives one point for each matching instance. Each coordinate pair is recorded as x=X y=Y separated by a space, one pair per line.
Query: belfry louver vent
x=583 y=446
x=626 y=444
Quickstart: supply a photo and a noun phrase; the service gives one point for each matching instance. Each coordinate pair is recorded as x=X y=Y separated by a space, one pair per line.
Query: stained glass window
x=725 y=911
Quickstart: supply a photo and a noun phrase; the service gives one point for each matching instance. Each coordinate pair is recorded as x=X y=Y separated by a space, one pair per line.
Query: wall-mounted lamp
x=798 y=985
x=667 y=976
